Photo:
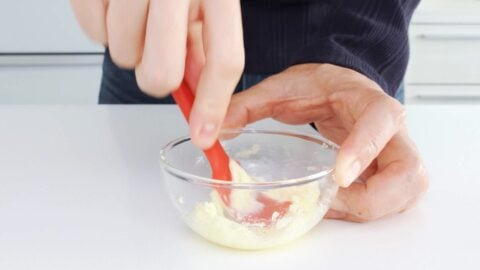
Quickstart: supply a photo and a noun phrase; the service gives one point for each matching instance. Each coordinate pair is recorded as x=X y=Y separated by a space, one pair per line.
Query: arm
x=168 y=41
x=339 y=81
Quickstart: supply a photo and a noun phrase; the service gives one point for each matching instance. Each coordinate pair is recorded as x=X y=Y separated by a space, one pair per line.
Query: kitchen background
x=46 y=59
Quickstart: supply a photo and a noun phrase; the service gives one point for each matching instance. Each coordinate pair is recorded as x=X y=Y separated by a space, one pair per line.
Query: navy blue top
x=369 y=36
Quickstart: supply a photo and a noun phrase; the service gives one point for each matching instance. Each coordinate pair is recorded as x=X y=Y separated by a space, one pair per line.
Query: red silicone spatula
x=219 y=162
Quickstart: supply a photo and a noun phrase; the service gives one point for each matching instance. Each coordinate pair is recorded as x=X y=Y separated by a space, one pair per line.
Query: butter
x=211 y=220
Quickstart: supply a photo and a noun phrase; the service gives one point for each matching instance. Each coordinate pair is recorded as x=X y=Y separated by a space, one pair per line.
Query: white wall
x=445 y=53
x=51 y=72
x=41 y=26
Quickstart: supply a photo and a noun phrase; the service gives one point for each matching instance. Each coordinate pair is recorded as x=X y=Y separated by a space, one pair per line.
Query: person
x=336 y=64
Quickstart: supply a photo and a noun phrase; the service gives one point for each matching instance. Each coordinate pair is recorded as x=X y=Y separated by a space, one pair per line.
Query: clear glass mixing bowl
x=285 y=166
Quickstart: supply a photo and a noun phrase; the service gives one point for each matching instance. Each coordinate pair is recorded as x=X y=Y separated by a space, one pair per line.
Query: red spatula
x=219 y=162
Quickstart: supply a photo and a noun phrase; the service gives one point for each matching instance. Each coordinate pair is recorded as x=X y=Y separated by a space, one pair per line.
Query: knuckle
x=418 y=177
x=158 y=82
x=371 y=207
x=228 y=64
x=419 y=173
x=423 y=181
x=394 y=108
x=398 y=110
x=424 y=185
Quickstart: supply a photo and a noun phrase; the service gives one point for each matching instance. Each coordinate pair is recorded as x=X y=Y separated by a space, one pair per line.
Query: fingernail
x=206 y=133
x=351 y=173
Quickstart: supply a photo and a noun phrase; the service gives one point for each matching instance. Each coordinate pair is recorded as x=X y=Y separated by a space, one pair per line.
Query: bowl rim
x=196 y=179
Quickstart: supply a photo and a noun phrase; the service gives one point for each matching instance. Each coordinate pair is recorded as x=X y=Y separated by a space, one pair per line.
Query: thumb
x=373 y=129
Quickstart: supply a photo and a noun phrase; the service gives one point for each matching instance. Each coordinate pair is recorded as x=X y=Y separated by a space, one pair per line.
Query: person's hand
x=353 y=111
x=157 y=38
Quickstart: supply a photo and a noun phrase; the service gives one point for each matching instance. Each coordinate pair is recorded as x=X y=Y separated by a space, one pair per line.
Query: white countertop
x=80 y=188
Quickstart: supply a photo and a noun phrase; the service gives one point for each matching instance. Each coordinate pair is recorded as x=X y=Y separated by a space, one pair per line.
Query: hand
x=157 y=37
x=353 y=111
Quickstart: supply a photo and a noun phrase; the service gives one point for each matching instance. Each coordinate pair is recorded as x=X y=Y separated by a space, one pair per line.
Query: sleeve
x=369 y=36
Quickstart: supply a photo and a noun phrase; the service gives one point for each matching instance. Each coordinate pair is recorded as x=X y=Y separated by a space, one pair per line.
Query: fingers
x=293 y=96
x=366 y=202
x=91 y=16
x=400 y=181
x=273 y=98
x=162 y=65
x=195 y=54
x=224 y=63
x=334 y=214
x=374 y=127
x=126 y=31
x=251 y=105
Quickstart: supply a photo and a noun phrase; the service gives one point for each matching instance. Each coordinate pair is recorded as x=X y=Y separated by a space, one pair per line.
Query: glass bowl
x=285 y=166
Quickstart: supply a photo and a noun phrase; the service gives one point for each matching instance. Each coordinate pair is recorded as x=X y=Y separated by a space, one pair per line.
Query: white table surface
x=80 y=188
